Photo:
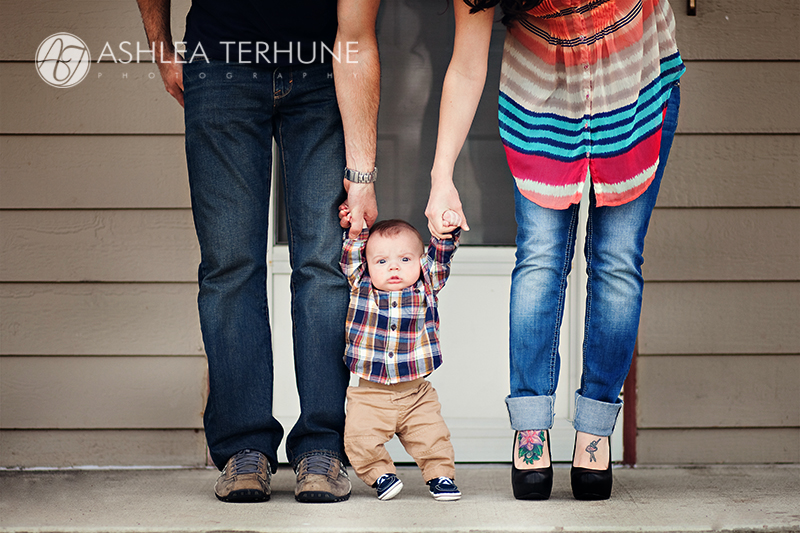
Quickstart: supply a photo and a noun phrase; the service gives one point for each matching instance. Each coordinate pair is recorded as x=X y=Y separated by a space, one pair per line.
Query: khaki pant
x=411 y=410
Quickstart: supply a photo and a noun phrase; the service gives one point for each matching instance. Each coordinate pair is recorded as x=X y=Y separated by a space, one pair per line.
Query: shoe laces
x=246 y=462
x=445 y=481
x=384 y=478
x=321 y=465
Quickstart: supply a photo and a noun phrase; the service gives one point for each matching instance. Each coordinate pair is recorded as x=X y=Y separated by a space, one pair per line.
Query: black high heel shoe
x=588 y=484
x=535 y=484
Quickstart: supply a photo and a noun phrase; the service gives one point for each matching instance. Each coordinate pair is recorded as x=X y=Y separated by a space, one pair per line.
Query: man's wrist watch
x=360 y=177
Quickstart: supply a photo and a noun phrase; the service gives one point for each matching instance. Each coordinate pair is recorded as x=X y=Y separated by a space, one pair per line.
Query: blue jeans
x=613 y=248
x=232 y=113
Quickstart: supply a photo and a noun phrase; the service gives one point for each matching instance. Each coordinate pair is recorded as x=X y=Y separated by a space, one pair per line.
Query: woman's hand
x=461 y=92
x=444 y=211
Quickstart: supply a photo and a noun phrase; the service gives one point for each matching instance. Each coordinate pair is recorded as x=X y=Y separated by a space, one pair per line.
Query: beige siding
x=99 y=319
x=103 y=447
x=720 y=318
x=98 y=245
x=722 y=245
x=93 y=172
x=719 y=342
x=719 y=446
x=725 y=29
x=739 y=97
x=732 y=171
x=734 y=391
x=101 y=359
x=113 y=99
x=86 y=392
x=25 y=23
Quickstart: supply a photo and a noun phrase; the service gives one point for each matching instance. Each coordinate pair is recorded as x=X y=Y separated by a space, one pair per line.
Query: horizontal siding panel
x=733 y=97
x=720 y=318
x=135 y=447
x=102 y=392
x=722 y=244
x=99 y=319
x=66 y=245
x=738 y=29
x=93 y=171
x=114 y=98
x=718 y=391
x=26 y=23
x=732 y=171
x=747 y=97
x=717 y=446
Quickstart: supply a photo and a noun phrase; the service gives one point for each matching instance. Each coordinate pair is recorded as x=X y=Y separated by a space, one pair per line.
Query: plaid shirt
x=393 y=336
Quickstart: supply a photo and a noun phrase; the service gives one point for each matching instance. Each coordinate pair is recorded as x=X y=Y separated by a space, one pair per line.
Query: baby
x=392 y=345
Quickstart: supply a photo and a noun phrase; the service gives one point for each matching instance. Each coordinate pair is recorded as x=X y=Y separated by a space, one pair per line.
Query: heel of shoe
x=588 y=484
x=535 y=484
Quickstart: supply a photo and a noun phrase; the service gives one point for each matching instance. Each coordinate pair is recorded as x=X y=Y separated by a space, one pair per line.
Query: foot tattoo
x=591 y=448
x=531 y=445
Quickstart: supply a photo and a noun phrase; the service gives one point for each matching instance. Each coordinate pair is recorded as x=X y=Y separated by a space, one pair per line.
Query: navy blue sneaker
x=388 y=486
x=443 y=489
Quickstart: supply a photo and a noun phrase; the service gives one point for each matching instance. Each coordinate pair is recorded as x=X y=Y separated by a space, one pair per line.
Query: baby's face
x=394 y=260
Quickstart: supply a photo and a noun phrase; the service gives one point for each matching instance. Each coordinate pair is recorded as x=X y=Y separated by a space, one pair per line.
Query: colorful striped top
x=583 y=89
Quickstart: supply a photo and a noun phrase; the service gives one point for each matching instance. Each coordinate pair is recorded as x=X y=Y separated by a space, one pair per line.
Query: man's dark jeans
x=232 y=114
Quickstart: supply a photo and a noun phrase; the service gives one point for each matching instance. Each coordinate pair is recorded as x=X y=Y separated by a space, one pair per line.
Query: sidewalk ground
x=720 y=498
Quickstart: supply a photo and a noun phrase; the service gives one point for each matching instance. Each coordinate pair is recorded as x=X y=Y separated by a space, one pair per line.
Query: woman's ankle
x=532 y=449
x=591 y=451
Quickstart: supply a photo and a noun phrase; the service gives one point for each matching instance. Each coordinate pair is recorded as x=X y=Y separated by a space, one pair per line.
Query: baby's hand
x=345 y=219
x=451 y=219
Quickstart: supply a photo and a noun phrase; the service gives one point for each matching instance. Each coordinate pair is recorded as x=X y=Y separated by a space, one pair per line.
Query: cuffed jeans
x=613 y=248
x=232 y=113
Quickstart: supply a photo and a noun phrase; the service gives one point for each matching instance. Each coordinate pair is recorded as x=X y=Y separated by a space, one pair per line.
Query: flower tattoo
x=531 y=445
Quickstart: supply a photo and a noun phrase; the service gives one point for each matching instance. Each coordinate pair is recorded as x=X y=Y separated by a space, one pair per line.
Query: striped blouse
x=583 y=91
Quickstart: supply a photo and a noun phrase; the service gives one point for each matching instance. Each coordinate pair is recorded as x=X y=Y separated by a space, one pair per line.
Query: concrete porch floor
x=698 y=499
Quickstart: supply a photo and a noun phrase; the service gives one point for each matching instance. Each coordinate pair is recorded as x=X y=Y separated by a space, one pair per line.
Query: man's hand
x=156 y=20
x=360 y=209
x=358 y=82
x=172 y=74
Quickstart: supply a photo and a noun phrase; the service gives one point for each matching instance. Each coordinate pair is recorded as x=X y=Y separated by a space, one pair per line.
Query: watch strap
x=360 y=177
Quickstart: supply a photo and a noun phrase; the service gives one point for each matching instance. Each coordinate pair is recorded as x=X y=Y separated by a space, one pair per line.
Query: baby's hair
x=393 y=227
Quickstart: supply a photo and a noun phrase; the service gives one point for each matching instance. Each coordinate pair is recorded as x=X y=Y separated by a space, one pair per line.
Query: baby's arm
x=436 y=263
x=353 y=262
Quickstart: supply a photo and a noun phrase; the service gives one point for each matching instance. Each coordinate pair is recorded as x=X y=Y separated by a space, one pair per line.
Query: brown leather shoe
x=245 y=478
x=321 y=479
